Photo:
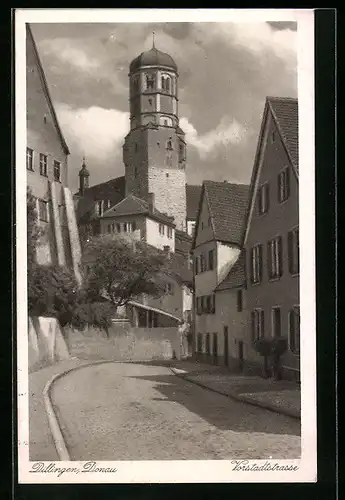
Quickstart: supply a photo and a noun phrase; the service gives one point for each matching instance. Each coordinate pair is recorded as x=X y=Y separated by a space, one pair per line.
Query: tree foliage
x=53 y=290
x=273 y=349
x=122 y=269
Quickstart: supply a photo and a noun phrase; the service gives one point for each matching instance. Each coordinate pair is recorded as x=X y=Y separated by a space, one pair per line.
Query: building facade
x=272 y=234
x=216 y=252
x=47 y=169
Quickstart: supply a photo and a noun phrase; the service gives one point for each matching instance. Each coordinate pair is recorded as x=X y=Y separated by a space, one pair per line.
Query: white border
x=211 y=471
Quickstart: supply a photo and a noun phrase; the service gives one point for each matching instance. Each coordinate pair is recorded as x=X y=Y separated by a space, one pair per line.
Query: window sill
x=294 y=275
x=283 y=201
x=30 y=169
x=256 y=283
x=43 y=175
x=276 y=278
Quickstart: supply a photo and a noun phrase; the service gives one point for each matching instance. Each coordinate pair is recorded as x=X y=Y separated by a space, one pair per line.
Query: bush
x=53 y=291
x=272 y=348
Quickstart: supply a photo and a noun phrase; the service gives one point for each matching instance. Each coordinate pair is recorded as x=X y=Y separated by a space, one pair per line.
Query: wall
x=226 y=258
x=154 y=238
x=138 y=219
x=169 y=302
x=46 y=344
x=280 y=219
x=124 y=344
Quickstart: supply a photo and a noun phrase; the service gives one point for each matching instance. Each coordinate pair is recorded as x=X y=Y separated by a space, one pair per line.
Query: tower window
x=166 y=83
x=150 y=102
x=167 y=175
x=150 y=81
x=169 y=144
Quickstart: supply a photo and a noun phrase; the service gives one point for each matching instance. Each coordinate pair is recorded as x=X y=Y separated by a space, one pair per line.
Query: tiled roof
x=131 y=205
x=285 y=112
x=183 y=242
x=193 y=193
x=46 y=89
x=227 y=204
x=236 y=276
x=114 y=190
x=179 y=266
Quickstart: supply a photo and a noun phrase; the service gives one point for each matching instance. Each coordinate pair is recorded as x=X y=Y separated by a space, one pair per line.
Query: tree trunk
x=266 y=368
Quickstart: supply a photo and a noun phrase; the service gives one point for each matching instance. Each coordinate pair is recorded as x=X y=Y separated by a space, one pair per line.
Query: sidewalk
x=280 y=396
x=41 y=444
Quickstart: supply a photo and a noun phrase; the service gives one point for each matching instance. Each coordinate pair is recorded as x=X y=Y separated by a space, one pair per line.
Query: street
x=119 y=411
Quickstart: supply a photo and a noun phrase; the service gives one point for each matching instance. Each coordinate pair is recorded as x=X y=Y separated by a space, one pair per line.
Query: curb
x=241 y=399
x=55 y=429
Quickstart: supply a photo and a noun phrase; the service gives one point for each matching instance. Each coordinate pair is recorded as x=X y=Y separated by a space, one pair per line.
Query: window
x=273 y=137
x=161 y=229
x=239 y=300
x=57 y=170
x=99 y=208
x=284 y=185
x=43 y=210
x=256 y=264
x=192 y=228
x=118 y=228
x=165 y=83
x=128 y=227
x=257 y=324
x=211 y=260
x=208 y=351
x=275 y=258
x=150 y=81
x=150 y=102
x=196 y=264
x=263 y=199
x=169 y=288
x=43 y=164
x=208 y=304
x=30 y=159
x=202 y=263
x=199 y=342
x=135 y=171
x=293 y=251
x=198 y=305
x=166 y=123
x=169 y=144
x=170 y=232
x=109 y=228
x=167 y=174
x=294 y=330
x=276 y=322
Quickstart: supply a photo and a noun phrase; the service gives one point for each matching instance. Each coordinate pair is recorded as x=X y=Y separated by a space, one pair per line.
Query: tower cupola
x=84 y=175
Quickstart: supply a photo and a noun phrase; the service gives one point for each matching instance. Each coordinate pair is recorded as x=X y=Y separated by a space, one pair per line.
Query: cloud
x=68 y=53
x=95 y=132
x=228 y=132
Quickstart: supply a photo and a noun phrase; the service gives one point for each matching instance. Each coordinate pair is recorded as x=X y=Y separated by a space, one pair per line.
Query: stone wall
x=46 y=344
x=125 y=343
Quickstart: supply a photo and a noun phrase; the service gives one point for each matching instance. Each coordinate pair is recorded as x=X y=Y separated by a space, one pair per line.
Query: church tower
x=154 y=152
x=84 y=175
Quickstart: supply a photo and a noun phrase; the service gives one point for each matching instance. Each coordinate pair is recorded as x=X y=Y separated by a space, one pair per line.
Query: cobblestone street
x=120 y=411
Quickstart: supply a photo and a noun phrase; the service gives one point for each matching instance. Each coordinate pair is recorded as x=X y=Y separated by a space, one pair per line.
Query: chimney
x=151 y=202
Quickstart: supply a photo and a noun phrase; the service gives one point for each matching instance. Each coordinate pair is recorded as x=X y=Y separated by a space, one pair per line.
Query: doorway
x=226 y=346
x=240 y=355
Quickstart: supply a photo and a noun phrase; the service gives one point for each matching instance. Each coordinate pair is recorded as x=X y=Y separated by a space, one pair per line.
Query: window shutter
x=269 y=259
x=259 y=200
x=290 y=251
x=253 y=326
x=260 y=261
x=267 y=197
x=297 y=249
x=262 y=319
x=280 y=256
x=287 y=179
x=279 y=179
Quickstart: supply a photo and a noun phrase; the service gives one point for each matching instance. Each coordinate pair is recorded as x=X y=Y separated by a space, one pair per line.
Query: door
x=240 y=355
x=215 y=349
x=226 y=346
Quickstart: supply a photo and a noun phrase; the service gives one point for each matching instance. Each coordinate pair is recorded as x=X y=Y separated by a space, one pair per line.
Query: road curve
x=127 y=411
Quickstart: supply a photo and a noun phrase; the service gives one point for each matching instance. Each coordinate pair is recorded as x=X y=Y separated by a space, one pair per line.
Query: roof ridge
x=282 y=98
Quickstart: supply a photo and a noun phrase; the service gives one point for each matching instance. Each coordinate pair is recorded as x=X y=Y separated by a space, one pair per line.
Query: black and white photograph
x=166 y=294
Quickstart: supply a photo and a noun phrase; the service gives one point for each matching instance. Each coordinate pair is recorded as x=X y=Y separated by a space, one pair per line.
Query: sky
x=226 y=70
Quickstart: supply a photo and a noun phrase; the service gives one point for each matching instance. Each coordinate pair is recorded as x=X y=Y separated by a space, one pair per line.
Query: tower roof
x=84 y=170
x=152 y=57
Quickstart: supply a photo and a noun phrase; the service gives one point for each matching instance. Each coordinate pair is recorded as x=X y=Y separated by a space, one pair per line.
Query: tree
x=263 y=347
x=271 y=349
x=53 y=290
x=122 y=269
